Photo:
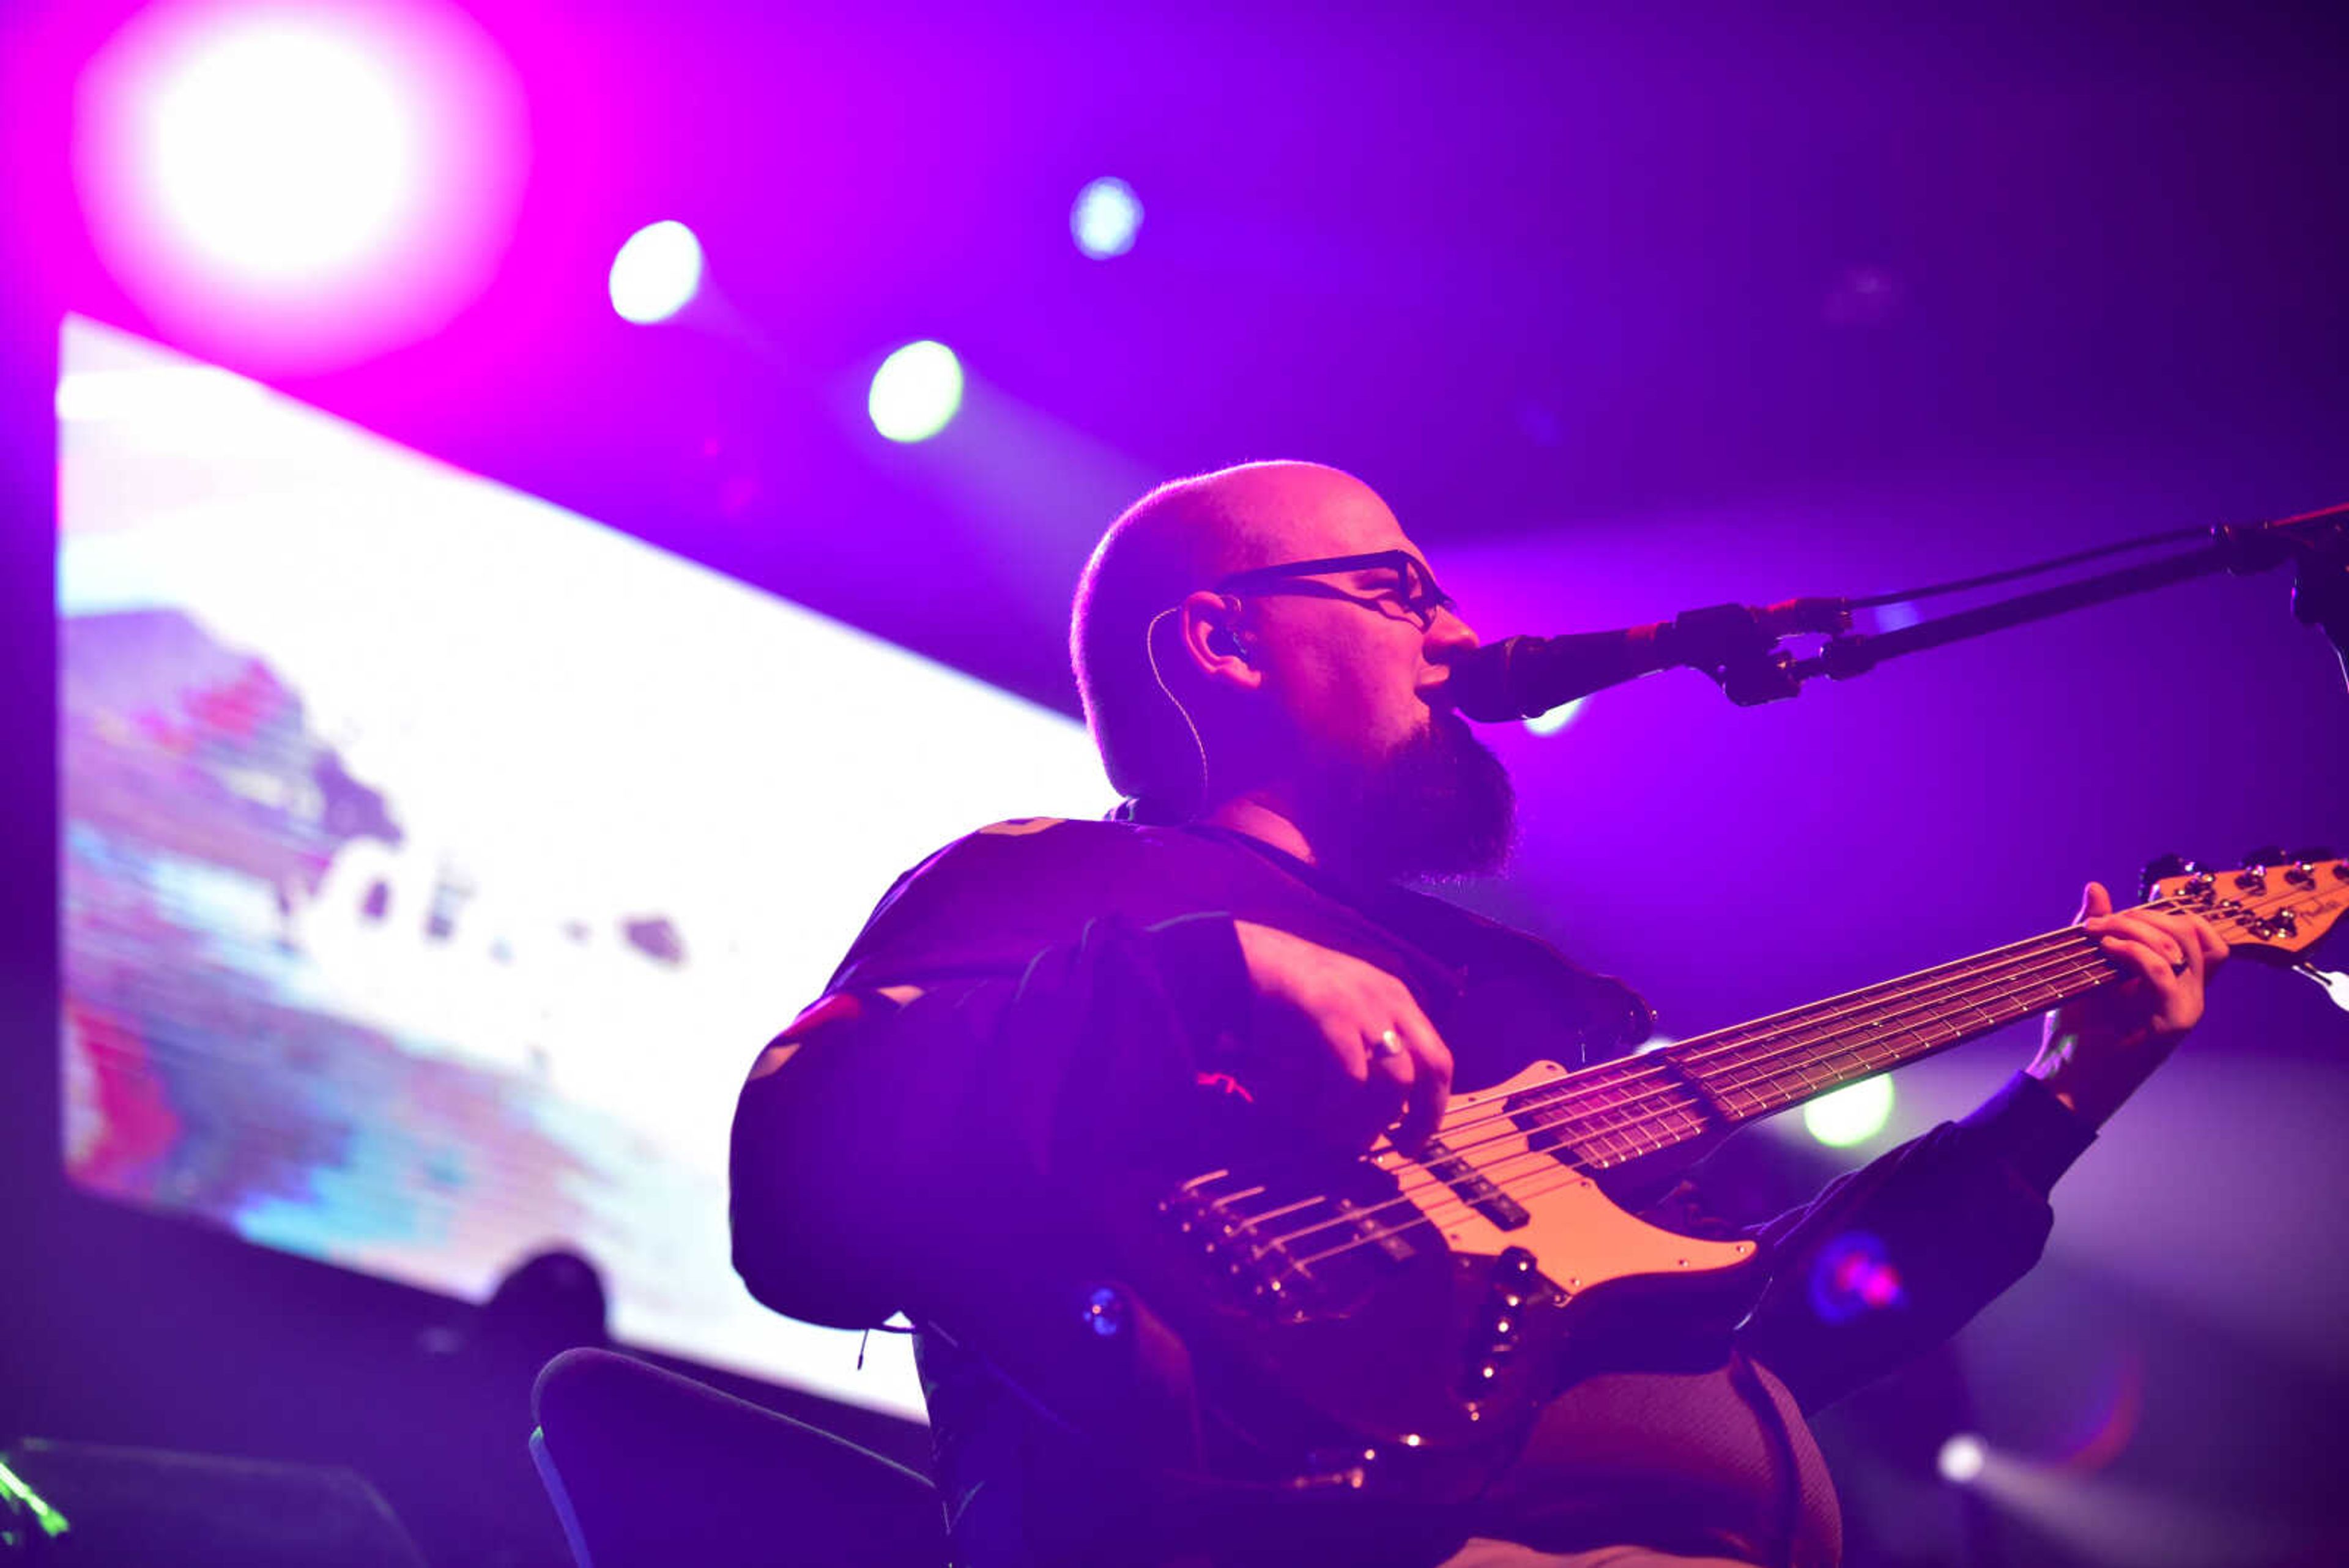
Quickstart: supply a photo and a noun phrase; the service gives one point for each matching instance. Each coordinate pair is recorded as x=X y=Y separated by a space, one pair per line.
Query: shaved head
x=1309 y=707
x=1184 y=535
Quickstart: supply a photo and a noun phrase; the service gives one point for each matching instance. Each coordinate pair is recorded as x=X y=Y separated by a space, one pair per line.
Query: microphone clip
x=1737 y=644
x=1727 y=642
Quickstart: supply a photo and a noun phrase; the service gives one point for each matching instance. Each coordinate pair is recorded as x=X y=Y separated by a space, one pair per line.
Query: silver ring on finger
x=1388 y=1044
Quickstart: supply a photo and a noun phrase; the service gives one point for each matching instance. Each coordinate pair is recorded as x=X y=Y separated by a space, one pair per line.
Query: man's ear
x=1212 y=640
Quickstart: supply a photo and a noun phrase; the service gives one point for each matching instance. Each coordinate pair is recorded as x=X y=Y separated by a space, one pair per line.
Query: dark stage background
x=1625 y=312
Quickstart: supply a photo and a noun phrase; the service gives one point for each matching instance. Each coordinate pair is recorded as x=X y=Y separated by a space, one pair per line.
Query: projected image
x=437 y=860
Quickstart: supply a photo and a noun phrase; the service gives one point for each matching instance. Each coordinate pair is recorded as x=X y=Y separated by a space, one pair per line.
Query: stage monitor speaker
x=156 y=1509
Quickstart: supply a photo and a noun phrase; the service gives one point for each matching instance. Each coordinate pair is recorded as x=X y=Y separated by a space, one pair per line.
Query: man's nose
x=1448 y=636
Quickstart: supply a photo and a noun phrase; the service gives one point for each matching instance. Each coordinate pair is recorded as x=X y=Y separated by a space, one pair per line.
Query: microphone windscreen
x=1479 y=683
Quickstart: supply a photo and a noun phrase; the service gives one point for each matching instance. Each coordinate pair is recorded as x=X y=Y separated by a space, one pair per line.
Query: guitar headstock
x=2275 y=906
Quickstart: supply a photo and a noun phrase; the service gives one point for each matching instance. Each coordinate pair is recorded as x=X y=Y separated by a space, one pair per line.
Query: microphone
x=1520 y=677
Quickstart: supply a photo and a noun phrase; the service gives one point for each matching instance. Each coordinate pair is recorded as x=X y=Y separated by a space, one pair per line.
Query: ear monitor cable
x=1150 y=652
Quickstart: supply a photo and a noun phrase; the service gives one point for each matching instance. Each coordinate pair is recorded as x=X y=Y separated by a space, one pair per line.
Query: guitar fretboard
x=1611 y=1114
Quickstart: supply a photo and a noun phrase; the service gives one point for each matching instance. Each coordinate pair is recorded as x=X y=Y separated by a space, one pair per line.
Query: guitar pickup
x=1376 y=1227
x=1472 y=1187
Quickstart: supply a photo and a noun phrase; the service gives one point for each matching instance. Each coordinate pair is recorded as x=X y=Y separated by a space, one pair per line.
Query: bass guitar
x=1498 y=1248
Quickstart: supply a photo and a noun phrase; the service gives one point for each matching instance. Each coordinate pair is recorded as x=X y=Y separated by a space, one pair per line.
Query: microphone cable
x=1990 y=580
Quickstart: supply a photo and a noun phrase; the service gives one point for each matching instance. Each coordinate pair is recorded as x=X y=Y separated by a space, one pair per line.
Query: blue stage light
x=1106 y=218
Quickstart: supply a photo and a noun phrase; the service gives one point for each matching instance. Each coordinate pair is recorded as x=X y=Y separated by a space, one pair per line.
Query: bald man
x=1048 y=1024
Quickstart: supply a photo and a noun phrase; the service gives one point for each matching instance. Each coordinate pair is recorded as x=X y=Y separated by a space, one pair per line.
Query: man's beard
x=1439 y=807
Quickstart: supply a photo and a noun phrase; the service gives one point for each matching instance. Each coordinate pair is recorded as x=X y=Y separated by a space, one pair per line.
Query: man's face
x=1357 y=684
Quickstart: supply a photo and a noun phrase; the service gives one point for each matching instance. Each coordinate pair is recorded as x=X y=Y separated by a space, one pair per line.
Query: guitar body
x=1469 y=1308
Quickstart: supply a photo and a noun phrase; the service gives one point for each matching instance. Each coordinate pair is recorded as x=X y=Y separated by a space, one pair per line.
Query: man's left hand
x=2099 y=1047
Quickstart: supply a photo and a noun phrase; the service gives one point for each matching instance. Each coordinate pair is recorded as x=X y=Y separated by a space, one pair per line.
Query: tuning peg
x=2160 y=869
x=2266 y=854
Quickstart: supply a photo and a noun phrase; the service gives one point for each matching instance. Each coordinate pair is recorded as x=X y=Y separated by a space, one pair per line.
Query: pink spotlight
x=300 y=186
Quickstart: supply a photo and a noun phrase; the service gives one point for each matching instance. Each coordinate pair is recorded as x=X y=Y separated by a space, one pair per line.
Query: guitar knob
x=1513 y=1264
x=2253 y=881
x=2300 y=875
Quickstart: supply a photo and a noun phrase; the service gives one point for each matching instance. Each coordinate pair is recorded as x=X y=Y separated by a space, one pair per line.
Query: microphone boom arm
x=2317 y=541
x=1737 y=644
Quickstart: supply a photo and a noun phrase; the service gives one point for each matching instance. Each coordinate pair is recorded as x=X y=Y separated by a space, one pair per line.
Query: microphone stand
x=2316 y=541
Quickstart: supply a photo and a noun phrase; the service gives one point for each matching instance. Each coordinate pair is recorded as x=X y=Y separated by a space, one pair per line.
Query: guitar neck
x=1612 y=1114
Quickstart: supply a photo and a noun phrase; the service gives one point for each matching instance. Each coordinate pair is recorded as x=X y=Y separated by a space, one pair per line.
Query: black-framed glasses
x=1413 y=589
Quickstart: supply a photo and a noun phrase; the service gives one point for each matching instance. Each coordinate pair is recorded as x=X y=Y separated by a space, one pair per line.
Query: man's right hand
x=1324 y=1016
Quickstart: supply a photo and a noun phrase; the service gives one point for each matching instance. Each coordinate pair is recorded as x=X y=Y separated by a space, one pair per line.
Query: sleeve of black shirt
x=1892 y=1259
x=913 y=1144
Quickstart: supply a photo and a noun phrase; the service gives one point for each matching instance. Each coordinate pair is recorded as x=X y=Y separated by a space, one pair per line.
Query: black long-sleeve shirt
x=1049 y=1017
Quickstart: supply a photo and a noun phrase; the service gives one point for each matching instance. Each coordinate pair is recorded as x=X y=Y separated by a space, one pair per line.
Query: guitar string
x=2009 y=969
x=1659 y=1073
x=1557 y=1175
x=1696 y=1054
x=1439 y=1196
x=2083 y=962
x=1743 y=1036
x=1560 y=1175
x=1560 y=1172
x=1739 y=1039
x=1869 y=1008
x=1883 y=1012
x=1506 y=1111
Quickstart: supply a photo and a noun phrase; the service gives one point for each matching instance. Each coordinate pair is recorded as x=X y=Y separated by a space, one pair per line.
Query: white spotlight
x=1557 y=719
x=656 y=273
x=1105 y=219
x=1853 y=1114
x=1962 y=1458
x=916 y=393
x=286 y=148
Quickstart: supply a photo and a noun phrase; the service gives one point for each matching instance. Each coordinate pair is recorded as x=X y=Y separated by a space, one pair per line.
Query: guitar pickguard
x=1578 y=1237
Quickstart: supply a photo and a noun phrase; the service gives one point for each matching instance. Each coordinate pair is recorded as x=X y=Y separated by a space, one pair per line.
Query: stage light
x=1963 y=1459
x=1106 y=218
x=1557 y=719
x=284 y=149
x=916 y=393
x=299 y=186
x=1852 y=1277
x=1851 y=1115
x=656 y=273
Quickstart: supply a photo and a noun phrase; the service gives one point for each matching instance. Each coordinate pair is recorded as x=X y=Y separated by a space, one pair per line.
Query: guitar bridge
x=1238 y=1244
x=1283 y=1248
